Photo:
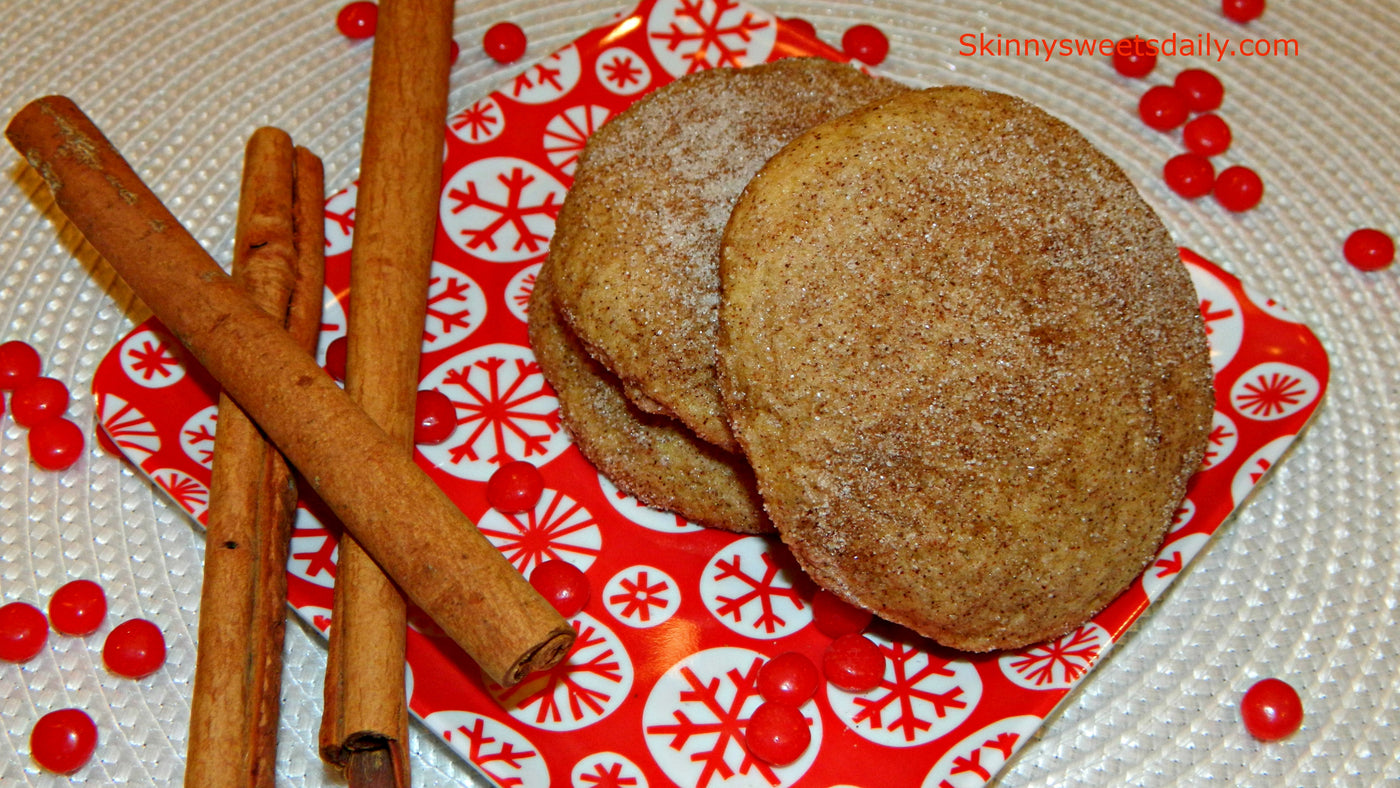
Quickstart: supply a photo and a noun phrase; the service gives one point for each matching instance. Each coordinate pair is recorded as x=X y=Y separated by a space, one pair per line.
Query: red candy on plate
x=1131 y=58
x=1201 y=89
x=1190 y=175
x=23 y=632
x=55 y=444
x=563 y=585
x=1207 y=135
x=866 y=43
x=77 y=608
x=1271 y=710
x=1238 y=188
x=358 y=19
x=1369 y=249
x=505 y=42
x=854 y=663
x=777 y=733
x=436 y=417
x=38 y=400
x=19 y=364
x=134 y=649
x=514 y=487
x=62 y=741
x=1162 y=108
x=789 y=678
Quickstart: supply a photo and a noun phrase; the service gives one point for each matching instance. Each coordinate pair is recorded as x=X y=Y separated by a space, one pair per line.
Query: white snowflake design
x=567 y=133
x=1060 y=663
x=150 y=360
x=481 y=122
x=692 y=35
x=128 y=428
x=500 y=752
x=696 y=715
x=921 y=697
x=558 y=528
x=622 y=71
x=586 y=687
x=505 y=411
x=456 y=308
x=751 y=589
x=642 y=596
x=197 y=435
x=501 y=210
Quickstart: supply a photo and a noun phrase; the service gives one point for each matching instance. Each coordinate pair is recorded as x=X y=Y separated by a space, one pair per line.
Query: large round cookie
x=636 y=246
x=966 y=364
x=653 y=458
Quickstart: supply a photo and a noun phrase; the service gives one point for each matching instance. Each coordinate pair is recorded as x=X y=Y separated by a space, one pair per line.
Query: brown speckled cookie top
x=965 y=362
x=636 y=247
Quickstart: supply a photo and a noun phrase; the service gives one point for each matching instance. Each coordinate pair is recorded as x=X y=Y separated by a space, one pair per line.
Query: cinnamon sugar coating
x=966 y=363
x=636 y=246
x=653 y=458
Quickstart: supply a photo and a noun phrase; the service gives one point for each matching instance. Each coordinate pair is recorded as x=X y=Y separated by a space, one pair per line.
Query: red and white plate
x=660 y=685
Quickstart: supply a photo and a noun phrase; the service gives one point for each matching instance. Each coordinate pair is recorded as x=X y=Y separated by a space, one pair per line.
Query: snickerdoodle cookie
x=636 y=246
x=966 y=363
x=653 y=458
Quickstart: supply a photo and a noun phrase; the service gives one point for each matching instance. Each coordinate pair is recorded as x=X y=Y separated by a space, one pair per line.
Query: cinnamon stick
x=252 y=500
x=390 y=263
x=385 y=501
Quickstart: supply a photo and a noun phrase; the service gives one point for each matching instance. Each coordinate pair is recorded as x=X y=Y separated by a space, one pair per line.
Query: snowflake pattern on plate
x=1221 y=441
x=606 y=770
x=334 y=324
x=519 y=289
x=1274 y=390
x=642 y=596
x=578 y=692
x=972 y=762
x=499 y=751
x=456 y=308
x=197 y=436
x=134 y=434
x=548 y=79
x=1254 y=469
x=505 y=411
x=190 y=493
x=1223 y=318
x=558 y=528
x=1057 y=664
x=149 y=360
x=1184 y=514
x=567 y=132
x=692 y=35
x=622 y=71
x=695 y=716
x=752 y=590
x=481 y=122
x=340 y=221
x=643 y=515
x=314 y=550
x=921 y=697
x=501 y=209
x=1170 y=560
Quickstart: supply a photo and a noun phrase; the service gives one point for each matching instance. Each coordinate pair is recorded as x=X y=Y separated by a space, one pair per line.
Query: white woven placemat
x=1303 y=585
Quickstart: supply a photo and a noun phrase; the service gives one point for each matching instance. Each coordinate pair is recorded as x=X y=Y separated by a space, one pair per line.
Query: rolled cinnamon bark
x=390 y=263
x=391 y=507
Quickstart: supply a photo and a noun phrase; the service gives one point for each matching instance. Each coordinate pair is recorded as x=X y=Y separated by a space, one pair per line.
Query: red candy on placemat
x=62 y=741
x=77 y=608
x=1271 y=710
x=680 y=620
x=23 y=632
x=134 y=649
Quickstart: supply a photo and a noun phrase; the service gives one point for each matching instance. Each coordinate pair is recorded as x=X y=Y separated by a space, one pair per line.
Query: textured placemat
x=1302 y=586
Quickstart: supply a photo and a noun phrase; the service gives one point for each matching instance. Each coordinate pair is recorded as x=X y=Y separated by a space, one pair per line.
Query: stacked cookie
x=934 y=337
